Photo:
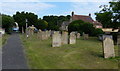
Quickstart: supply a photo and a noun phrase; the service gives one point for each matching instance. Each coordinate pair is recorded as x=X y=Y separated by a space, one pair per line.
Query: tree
x=115 y=7
x=42 y=24
x=109 y=16
x=20 y=18
x=7 y=23
x=54 y=22
x=105 y=19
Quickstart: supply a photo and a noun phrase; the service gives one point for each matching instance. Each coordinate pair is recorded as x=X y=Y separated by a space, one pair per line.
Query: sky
x=52 y=7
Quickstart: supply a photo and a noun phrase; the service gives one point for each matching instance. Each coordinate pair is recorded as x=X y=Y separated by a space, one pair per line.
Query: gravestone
x=118 y=40
x=39 y=34
x=78 y=35
x=64 y=37
x=52 y=32
x=49 y=33
x=108 y=48
x=46 y=34
x=56 y=39
x=32 y=28
x=43 y=37
x=72 y=39
x=107 y=36
x=85 y=36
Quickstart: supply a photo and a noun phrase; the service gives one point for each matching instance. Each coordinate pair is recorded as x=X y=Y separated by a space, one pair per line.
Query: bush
x=76 y=26
x=98 y=31
x=81 y=27
x=41 y=24
x=88 y=29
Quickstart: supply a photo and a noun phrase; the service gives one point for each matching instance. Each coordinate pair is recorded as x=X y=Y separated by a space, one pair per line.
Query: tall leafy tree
x=109 y=16
x=20 y=18
x=41 y=24
x=54 y=22
x=7 y=23
x=115 y=7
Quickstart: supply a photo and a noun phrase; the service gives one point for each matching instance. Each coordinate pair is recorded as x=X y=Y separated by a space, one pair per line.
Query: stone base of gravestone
x=56 y=39
x=64 y=37
x=85 y=36
x=72 y=39
x=78 y=35
x=108 y=48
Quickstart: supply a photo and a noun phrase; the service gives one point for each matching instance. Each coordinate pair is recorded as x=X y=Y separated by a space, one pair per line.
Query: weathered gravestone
x=56 y=39
x=52 y=32
x=108 y=36
x=49 y=33
x=42 y=35
x=72 y=39
x=46 y=34
x=108 y=48
x=39 y=34
x=118 y=40
x=85 y=36
x=32 y=28
x=78 y=35
x=64 y=37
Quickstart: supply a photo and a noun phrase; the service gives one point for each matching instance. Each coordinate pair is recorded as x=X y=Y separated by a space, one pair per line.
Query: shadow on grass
x=96 y=54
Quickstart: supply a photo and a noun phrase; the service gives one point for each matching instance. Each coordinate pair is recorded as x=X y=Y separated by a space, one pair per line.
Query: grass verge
x=3 y=39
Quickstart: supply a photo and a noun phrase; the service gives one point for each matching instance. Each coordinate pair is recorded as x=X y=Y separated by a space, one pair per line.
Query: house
x=84 y=18
x=64 y=25
x=96 y=24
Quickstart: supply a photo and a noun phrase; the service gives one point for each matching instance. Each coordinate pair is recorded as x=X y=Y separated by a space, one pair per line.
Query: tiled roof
x=86 y=19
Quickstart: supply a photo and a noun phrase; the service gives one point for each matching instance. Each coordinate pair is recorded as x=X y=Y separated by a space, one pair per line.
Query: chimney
x=72 y=13
x=90 y=14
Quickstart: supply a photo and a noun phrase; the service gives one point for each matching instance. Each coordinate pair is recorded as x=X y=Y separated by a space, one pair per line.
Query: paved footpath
x=13 y=54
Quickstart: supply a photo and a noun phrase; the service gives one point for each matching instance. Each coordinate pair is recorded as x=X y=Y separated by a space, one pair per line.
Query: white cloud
x=84 y=8
x=36 y=7
x=0 y=7
x=90 y=0
x=55 y=0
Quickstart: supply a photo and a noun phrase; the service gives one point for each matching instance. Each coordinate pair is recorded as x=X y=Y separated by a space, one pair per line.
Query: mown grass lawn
x=85 y=54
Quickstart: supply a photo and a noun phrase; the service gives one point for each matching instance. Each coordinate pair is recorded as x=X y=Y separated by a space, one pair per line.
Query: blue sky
x=51 y=8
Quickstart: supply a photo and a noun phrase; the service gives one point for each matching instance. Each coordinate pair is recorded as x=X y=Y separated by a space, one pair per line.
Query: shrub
x=88 y=29
x=81 y=27
x=76 y=26
x=98 y=31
